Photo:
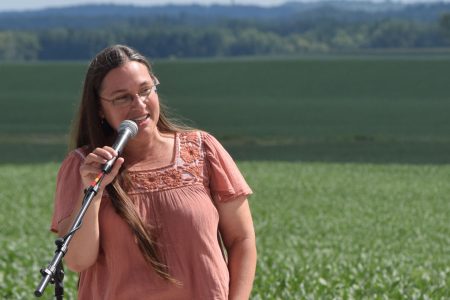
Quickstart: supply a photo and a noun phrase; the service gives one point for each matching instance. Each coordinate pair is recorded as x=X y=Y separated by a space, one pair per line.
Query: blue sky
x=6 y=5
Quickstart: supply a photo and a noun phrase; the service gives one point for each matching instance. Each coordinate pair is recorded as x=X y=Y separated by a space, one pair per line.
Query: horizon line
x=229 y=3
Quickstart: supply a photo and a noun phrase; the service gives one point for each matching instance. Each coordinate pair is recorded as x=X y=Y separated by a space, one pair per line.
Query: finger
x=111 y=151
x=88 y=169
x=94 y=158
x=105 y=152
x=117 y=165
x=101 y=155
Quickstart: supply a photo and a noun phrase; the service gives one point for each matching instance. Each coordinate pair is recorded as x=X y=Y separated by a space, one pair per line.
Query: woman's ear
x=101 y=114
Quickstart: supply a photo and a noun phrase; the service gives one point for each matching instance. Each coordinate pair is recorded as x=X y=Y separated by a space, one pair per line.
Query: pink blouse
x=178 y=202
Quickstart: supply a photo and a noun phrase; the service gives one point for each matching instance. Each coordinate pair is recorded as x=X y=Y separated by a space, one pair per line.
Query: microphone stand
x=54 y=272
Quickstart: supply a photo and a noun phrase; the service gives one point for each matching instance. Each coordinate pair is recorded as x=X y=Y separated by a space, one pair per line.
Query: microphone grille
x=129 y=125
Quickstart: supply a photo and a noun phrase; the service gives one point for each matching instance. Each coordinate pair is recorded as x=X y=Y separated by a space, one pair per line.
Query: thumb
x=116 y=167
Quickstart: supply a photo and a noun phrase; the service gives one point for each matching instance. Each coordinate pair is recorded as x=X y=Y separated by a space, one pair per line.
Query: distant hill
x=234 y=11
x=88 y=16
x=169 y=31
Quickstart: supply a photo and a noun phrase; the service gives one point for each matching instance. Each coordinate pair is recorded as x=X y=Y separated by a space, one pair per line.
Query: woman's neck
x=157 y=147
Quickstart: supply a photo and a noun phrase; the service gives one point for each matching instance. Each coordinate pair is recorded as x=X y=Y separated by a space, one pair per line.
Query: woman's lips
x=142 y=119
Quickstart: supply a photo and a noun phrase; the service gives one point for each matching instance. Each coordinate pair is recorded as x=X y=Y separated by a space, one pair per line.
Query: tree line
x=189 y=36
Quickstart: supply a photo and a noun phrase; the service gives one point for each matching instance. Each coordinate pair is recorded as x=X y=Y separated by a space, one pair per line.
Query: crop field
x=348 y=158
x=335 y=109
x=324 y=231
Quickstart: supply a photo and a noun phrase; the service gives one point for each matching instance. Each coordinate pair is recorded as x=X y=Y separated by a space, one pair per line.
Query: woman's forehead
x=130 y=74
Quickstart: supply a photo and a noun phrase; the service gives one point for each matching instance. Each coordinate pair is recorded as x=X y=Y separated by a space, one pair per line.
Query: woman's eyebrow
x=119 y=91
x=147 y=82
x=144 y=83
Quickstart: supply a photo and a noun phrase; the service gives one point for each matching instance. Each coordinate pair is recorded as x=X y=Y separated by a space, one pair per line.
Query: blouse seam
x=81 y=154
x=164 y=189
x=234 y=195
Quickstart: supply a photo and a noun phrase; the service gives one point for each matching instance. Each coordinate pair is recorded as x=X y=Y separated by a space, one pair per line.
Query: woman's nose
x=139 y=100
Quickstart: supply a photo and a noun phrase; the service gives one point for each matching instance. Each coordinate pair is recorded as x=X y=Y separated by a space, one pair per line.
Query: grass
x=351 y=231
x=384 y=109
x=324 y=231
x=25 y=242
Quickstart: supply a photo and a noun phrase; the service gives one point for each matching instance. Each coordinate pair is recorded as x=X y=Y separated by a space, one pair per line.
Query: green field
x=324 y=231
x=363 y=109
x=348 y=159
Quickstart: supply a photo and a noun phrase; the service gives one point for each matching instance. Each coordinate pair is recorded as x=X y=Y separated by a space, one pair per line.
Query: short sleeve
x=225 y=180
x=68 y=188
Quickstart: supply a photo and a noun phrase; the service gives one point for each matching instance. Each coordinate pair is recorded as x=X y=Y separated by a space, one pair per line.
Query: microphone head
x=129 y=125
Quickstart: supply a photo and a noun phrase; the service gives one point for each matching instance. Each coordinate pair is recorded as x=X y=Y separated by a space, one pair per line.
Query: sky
x=16 y=5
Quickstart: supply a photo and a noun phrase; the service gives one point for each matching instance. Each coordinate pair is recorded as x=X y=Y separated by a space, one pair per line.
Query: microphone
x=127 y=130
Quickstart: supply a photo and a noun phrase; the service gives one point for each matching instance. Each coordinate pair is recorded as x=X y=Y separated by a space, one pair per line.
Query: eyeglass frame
x=129 y=98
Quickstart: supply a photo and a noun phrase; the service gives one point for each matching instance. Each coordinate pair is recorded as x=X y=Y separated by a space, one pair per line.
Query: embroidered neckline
x=185 y=169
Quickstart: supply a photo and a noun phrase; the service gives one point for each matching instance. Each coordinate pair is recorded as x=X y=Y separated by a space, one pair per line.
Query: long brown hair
x=88 y=129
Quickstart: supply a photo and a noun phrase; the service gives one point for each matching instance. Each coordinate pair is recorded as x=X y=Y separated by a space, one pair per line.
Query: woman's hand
x=92 y=166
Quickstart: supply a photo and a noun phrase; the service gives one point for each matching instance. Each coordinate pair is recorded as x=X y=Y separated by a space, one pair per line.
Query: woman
x=151 y=232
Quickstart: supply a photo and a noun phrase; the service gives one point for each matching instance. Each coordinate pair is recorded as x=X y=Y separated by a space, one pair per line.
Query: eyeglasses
x=126 y=100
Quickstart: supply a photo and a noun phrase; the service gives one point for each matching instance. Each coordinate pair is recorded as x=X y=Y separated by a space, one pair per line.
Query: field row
x=358 y=101
x=324 y=231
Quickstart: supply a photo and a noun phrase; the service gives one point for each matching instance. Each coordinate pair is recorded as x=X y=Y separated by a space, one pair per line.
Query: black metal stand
x=59 y=282
x=54 y=272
